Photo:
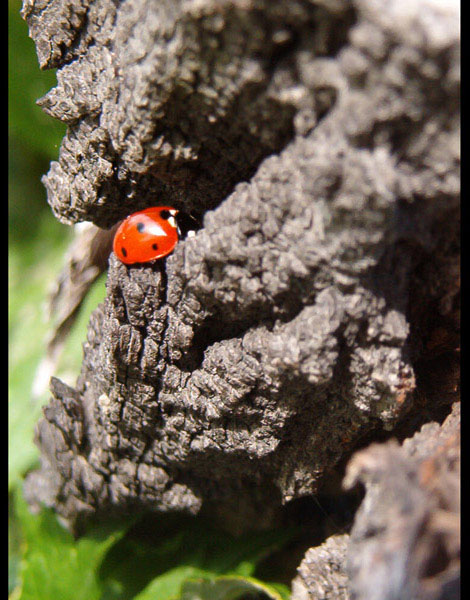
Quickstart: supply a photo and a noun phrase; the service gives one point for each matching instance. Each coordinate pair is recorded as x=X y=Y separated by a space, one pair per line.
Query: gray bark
x=320 y=142
x=322 y=573
x=405 y=542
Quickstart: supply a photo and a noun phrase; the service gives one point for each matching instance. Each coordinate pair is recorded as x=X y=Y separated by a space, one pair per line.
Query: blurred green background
x=158 y=558
x=37 y=242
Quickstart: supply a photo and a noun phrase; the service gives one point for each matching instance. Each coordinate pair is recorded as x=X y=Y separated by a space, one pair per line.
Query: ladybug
x=147 y=235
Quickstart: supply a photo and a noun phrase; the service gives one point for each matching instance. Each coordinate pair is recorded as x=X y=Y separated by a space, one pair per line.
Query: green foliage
x=36 y=248
x=36 y=240
x=159 y=554
x=188 y=583
x=159 y=558
x=34 y=137
x=27 y=122
x=28 y=286
x=37 y=243
x=54 y=564
x=231 y=588
x=168 y=585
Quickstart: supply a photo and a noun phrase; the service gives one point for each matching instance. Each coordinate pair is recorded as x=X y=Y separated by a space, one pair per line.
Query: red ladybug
x=146 y=235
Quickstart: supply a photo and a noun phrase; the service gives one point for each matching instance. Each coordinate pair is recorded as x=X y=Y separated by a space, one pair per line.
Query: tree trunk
x=316 y=307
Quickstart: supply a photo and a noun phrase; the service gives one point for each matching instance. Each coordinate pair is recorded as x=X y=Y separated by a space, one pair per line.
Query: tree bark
x=405 y=542
x=317 y=306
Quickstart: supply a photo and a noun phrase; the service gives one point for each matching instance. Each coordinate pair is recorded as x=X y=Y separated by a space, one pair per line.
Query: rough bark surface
x=322 y=574
x=405 y=542
x=300 y=317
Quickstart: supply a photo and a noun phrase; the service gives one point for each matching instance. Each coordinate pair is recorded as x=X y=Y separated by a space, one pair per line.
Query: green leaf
x=161 y=552
x=190 y=583
x=168 y=585
x=231 y=588
x=55 y=565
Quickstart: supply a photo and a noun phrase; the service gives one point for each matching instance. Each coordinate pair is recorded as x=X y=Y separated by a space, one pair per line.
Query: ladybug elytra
x=147 y=235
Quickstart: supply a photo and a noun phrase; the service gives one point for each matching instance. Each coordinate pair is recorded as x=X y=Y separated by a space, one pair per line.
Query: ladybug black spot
x=124 y=251
x=165 y=214
x=155 y=246
x=140 y=227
